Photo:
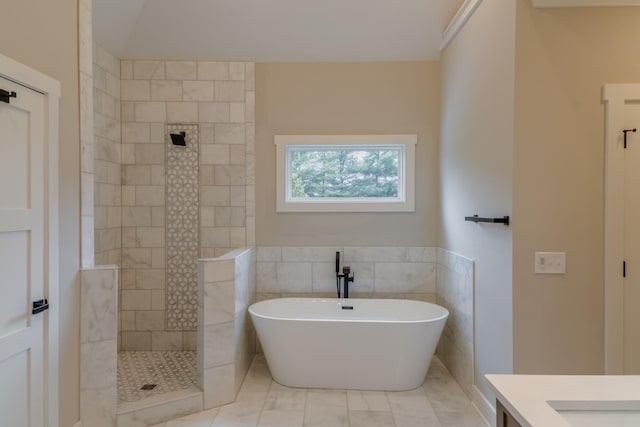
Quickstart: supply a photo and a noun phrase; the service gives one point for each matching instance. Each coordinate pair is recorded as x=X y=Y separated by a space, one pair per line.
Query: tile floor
x=169 y=370
x=264 y=403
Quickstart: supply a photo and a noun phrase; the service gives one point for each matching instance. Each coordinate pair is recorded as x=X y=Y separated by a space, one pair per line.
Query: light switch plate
x=550 y=263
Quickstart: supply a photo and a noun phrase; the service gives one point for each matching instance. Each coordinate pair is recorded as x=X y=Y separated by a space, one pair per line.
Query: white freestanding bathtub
x=377 y=344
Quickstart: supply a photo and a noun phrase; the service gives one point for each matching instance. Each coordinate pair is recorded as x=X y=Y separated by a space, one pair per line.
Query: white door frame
x=614 y=97
x=50 y=88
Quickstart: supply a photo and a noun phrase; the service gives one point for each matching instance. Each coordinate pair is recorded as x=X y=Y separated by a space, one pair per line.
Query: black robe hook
x=625 y=135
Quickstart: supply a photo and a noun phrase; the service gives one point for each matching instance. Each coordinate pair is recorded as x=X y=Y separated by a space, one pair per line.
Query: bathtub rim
x=444 y=315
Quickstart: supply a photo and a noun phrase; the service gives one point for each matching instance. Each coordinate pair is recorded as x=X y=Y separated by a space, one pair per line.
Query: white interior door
x=22 y=257
x=631 y=282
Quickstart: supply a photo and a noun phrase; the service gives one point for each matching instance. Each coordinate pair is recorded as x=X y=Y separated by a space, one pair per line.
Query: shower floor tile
x=169 y=370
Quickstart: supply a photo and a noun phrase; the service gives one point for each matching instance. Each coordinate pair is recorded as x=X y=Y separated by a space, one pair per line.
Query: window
x=350 y=173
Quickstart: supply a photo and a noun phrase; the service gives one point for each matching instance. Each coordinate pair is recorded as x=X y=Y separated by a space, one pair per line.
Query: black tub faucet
x=347 y=276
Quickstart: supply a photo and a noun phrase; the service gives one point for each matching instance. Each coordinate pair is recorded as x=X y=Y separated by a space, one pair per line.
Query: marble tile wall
x=106 y=158
x=220 y=98
x=455 y=291
x=98 y=346
x=380 y=272
x=226 y=339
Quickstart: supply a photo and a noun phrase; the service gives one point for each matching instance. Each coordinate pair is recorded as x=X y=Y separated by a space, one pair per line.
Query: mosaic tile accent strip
x=182 y=228
x=170 y=370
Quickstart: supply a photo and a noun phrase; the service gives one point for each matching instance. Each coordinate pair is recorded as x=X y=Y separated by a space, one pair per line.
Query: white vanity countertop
x=534 y=400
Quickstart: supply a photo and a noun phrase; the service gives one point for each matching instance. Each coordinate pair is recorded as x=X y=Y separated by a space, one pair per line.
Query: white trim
x=32 y=79
x=458 y=22
x=614 y=97
x=406 y=204
x=484 y=407
x=584 y=3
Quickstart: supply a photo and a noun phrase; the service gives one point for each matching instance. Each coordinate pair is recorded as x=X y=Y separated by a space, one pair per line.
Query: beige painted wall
x=564 y=56
x=44 y=36
x=476 y=172
x=348 y=98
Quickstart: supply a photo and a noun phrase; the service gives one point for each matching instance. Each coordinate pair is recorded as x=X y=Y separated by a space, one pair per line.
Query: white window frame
x=405 y=202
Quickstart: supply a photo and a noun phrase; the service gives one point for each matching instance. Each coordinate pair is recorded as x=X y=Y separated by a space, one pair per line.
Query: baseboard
x=484 y=407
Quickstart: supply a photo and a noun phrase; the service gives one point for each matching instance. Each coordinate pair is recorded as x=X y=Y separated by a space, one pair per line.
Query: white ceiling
x=273 y=30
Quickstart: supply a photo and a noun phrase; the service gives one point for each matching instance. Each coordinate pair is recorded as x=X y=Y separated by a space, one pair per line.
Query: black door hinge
x=5 y=96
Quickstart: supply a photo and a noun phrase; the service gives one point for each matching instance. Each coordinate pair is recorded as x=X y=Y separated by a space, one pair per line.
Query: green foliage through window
x=317 y=172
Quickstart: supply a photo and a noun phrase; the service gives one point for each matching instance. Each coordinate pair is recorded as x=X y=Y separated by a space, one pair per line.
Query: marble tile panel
x=98 y=364
x=151 y=237
x=229 y=133
x=237 y=236
x=136 y=175
x=149 y=195
x=127 y=113
x=237 y=112
x=166 y=341
x=99 y=296
x=152 y=111
x=148 y=70
x=133 y=299
x=250 y=113
x=218 y=302
x=158 y=175
x=375 y=254
x=405 y=277
x=214 y=112
x=236 y=71
x=267 y=278
x=128 y=154
x=219 y=271
x=135 y=90
x=237 y=155
x=206 y=131
x=158 y=258
x=182 y=112
x=136 y=341
x=147 y=278
x=229 y=175
x=149 y=320
x=219 y=386
x=249 y=75
x=181 y=70
x=165 y=90
x=126 y=69
x=158 y=299
x=294 y=276
x=113 y=85
x=197 y=90
x=237 y=195
x=98 y=407
x=161 y=412
x=215 y=154
x=215 y=196
x=412 y=403
x=219 y=344
x=229 y=91
x=209 y=70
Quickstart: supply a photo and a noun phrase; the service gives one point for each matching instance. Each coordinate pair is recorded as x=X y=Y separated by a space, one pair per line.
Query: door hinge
x=40 y=306
x=624 y=268
x=6 y=95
